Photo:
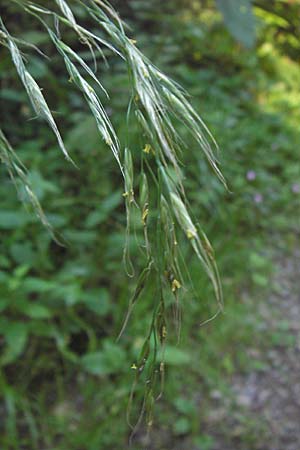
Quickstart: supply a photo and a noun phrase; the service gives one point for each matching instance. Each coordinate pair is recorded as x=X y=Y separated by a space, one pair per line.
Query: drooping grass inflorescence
x=158 y=104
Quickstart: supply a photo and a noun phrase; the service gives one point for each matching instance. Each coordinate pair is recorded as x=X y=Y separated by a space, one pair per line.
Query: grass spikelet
x=141 y=283
x=201 y=247
x=128 y=173
x=160 y=98
x=183 y=216
x=67 y=12
x=33 y=90
x=129 y=202
x=144 y=197
x=17 y=171
x=144 y=190
x=85 y=35
x=103 y=123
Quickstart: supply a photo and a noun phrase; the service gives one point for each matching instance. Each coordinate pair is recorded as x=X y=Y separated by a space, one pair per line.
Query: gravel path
x=262 y=411
x=265 y=407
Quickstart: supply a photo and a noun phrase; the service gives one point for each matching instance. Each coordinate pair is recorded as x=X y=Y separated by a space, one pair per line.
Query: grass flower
x=157 y=104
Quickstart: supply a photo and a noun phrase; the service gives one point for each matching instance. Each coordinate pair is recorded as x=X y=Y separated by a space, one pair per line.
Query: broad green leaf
x=13 y=219
x=16 y=334
x=95 y=363
x=110 y=360
x=97 y=300
x=258 y=261
x=182 y=426
x=34 y=310
x=37 y=311
x=71 y=294
x=32 y=284
x=22 y=253
x=176 y=357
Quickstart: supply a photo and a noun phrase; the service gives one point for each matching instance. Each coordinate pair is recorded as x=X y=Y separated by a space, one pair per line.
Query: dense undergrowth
x=65 y=381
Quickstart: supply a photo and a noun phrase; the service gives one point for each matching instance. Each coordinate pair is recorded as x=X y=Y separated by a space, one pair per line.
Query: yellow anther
x=175 y=285
x=129 y=195
x=147 y=149
x=134 y=366
x=145 y=215
x=190 y=234
x=164 y=332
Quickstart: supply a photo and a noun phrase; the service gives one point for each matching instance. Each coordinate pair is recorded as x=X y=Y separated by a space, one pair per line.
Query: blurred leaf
x=12 y=95
x=16 y=335
x=184 y=405
x=4 y=302
x=181 y=426
x=32 y=284
x=95 y=363
x=176 y=356
x=35 y=37
x=82 y=237
x=204 y=442
x=3 y=277
x=98 y=301
x=23 y=253
x=239 y=18
x=100 y=215
x=112 y=359
x=77 y=138
x=40 y=186
x=37 y=311
x=260 y=279
x=38 y=68
x=4 y=262
x=258 y=261
x=13 y=219
x=71 y=294
x=57 y=220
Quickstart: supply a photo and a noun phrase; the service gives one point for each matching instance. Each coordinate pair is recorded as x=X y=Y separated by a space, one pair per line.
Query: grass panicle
x=33 y=90
x=157 y=104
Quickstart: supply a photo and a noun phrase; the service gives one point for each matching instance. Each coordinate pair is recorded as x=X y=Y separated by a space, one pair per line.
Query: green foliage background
x=64 y=380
